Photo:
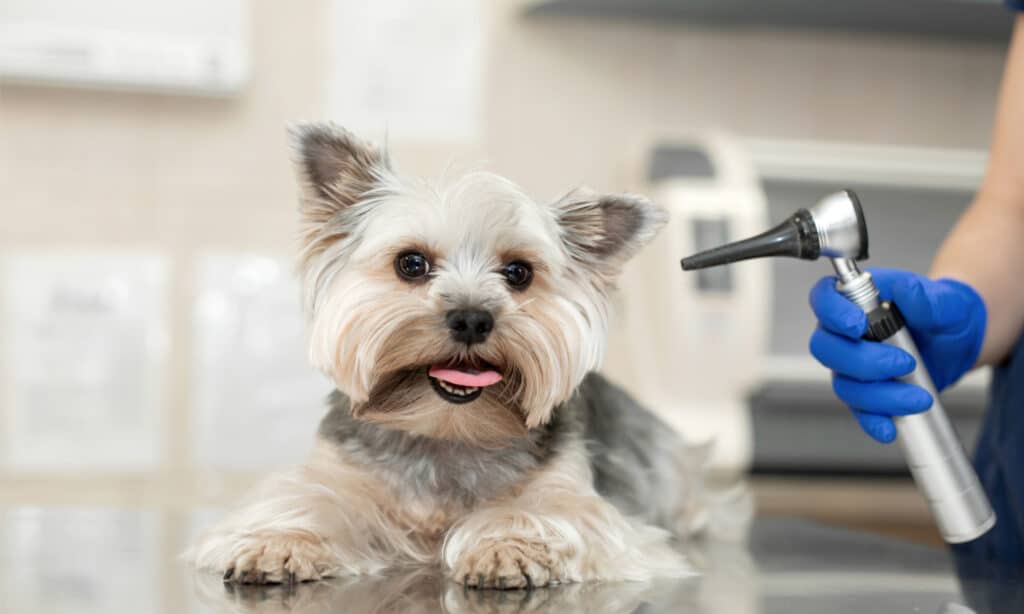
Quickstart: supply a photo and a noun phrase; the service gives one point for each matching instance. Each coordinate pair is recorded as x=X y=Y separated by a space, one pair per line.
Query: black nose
x=469 y=326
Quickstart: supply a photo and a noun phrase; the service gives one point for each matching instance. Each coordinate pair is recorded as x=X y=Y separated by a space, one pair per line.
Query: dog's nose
x=469 y=326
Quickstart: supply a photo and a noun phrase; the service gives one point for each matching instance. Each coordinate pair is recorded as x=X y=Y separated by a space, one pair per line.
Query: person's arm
x=971 y=310
x=986 y=247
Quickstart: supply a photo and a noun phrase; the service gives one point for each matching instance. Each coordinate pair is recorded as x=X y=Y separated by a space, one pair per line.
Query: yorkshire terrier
x=462 y=324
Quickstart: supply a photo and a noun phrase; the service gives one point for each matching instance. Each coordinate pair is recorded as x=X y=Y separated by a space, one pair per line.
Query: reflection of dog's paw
x=509 y=564
x=272 y=558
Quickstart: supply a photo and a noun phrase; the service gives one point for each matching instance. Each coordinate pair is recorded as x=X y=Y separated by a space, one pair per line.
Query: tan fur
x=557 y=526
x=488 y=426
x=331 y=518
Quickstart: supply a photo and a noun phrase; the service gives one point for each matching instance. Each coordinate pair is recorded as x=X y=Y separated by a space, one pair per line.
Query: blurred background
x=151 y=345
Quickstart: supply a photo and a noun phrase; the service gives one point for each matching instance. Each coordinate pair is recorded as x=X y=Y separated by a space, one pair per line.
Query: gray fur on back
x=640 y=463
x=637 y=459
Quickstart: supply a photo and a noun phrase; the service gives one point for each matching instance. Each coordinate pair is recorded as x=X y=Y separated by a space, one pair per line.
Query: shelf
x=804 y=429
x=880 y=505
x=971 y=20
x=880 y=165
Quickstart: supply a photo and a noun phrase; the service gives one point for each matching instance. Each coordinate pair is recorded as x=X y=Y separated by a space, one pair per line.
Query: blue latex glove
x=945 y=317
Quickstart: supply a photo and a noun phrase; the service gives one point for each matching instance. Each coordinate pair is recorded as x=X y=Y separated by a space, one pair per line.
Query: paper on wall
x=42 y=558
x=85 y=346
x=257 y=401
x=409 y=68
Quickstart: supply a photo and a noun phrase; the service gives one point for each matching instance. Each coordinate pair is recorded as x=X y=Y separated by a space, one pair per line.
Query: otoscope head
x=842 y=232
x=834 y=227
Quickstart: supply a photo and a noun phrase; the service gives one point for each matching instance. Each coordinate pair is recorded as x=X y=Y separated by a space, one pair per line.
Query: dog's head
x=464 y=310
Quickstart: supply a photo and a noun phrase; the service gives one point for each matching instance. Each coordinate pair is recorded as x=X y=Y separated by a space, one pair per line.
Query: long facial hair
x=377 y=341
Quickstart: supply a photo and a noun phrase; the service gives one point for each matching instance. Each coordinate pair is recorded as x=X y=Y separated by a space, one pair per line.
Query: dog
x=462 y=323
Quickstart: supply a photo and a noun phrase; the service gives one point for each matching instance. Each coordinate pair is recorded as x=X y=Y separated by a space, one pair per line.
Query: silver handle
x=938 y=461
x=930 y=445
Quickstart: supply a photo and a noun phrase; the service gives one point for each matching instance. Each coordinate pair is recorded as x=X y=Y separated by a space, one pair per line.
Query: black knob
x=884 y=322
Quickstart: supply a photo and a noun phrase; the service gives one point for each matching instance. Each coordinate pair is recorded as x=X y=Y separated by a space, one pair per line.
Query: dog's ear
x=606 y=230
x=335 y=168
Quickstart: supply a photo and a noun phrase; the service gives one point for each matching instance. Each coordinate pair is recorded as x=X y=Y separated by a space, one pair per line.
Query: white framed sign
x=409 y=68
x=84 y=348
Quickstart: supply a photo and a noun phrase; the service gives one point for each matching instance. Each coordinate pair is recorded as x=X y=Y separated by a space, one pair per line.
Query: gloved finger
x=835 y=312
x=878 y=427
x=891 y=398
x=931 y=305
x=861 y=360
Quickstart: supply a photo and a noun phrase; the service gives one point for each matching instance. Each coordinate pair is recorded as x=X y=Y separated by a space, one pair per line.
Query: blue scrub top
x=999 y=460
x=991 y=568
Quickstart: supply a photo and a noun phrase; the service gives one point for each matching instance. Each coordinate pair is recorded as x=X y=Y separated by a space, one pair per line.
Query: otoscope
x=835 y=228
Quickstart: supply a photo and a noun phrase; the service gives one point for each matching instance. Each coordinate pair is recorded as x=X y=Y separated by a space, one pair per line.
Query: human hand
x=946 y=319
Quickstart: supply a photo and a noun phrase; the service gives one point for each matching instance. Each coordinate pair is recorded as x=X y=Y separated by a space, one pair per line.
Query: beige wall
x=562 y=101
x=564 y=95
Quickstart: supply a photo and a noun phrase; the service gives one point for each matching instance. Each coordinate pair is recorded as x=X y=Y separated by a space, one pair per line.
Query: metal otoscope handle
x=933 y=451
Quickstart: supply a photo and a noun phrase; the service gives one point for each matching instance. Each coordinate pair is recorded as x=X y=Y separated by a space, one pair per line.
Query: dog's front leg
x=319 y=520
x=556 y=530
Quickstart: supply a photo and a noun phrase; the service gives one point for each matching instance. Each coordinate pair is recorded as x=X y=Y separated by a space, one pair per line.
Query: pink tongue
x=465 y=378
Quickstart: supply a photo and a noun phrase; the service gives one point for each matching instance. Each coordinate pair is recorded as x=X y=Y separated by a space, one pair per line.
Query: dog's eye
x=518 y=274
x=411 y=266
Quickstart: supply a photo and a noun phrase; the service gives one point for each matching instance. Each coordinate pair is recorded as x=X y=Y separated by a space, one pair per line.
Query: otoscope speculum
x=834 y=228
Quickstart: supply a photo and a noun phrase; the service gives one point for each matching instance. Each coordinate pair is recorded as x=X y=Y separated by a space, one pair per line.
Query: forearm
x=986 y=247
x=986 y=250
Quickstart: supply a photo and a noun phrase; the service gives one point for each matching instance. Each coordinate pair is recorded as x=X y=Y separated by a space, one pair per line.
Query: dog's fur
x=552 y=475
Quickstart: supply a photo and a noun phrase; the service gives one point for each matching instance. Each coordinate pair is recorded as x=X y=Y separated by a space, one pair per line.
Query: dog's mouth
x=462 y=382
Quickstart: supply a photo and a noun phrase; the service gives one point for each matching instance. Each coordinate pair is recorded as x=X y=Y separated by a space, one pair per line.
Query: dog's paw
x=509 y=564
x=277 y=558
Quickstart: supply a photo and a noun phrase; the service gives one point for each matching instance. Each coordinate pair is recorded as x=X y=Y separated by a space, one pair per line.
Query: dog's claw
x=481 y=582
x=292 y=579
x=529 y=581
x=228 y=574
x=501 y=582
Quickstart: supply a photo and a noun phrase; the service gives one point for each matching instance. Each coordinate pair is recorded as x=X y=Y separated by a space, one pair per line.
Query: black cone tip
x=795 y=237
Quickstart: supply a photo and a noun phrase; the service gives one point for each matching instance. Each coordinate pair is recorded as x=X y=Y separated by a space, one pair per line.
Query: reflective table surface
x=57 y=560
